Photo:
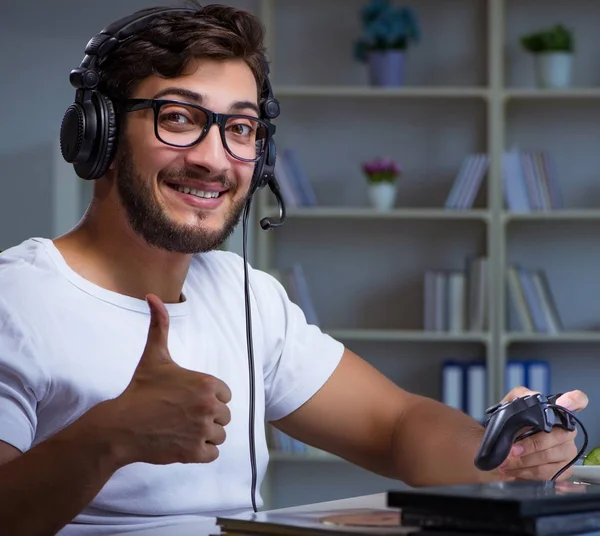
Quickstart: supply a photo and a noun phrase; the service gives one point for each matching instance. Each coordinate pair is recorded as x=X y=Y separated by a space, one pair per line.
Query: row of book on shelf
x=464 y=383
x=530 y=181
x=467 y=182
x=456 y=300
x=532 y=300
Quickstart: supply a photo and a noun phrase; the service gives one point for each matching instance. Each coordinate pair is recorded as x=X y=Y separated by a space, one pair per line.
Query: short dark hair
x=171 y=41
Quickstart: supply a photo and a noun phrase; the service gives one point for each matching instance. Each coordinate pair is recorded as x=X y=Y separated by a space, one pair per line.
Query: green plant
x=381 y=170
x=557 y=38
x=386 y=27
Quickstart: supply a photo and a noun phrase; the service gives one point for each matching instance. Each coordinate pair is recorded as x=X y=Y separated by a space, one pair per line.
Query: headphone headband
x=102 y=44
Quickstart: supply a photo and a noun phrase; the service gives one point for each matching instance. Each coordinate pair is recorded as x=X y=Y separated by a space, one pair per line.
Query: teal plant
x=386 y=27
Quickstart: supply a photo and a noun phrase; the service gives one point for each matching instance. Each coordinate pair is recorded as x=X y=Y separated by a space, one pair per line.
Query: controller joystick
x=505 y=421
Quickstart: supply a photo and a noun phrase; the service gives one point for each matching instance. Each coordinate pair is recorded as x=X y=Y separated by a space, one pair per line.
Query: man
x=123 y=365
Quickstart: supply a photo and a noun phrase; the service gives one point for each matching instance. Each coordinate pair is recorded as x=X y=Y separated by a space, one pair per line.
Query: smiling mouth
x=196 y=193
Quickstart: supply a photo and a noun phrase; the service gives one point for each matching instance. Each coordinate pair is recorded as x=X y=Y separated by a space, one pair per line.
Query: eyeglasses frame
x=213 y=118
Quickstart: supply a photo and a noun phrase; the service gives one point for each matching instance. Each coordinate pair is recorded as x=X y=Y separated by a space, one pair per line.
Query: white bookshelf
x=474 y=93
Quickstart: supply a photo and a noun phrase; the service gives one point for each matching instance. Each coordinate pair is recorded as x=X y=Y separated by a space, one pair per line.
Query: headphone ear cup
x=72 y=132
x=100 y=134
x=106 y=151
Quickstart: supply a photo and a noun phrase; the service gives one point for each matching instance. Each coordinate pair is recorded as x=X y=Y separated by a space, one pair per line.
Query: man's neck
x=112 y=256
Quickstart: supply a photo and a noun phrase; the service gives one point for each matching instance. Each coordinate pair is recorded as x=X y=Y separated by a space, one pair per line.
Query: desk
x=209 y=528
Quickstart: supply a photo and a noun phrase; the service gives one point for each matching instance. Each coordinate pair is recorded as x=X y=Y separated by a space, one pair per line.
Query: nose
x=210 y=152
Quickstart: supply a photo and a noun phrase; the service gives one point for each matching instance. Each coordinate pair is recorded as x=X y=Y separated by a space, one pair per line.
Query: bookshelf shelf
x=561 y=337
x=376 y=335
x=401 y=213
x=570 y=94
x=553 y=215
x=424 y=92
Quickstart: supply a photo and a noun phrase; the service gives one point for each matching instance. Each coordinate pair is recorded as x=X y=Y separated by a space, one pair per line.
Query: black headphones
x=88 y=133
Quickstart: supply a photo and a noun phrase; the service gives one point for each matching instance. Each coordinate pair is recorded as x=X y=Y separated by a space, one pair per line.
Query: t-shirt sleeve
x=299 y=356
x=22 y=384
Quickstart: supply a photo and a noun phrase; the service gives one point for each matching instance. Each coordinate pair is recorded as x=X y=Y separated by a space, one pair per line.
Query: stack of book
x=532 y=300
x=457 y=300
x=468 y=181
x=296 y=188
x=530 y=181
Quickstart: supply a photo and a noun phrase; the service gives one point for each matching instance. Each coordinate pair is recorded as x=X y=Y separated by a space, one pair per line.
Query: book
x=368 y=521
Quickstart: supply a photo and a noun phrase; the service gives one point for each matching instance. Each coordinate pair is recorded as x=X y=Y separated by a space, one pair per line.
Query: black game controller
x=505 y=420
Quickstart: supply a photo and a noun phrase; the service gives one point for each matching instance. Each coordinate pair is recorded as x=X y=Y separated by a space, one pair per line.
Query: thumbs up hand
x=167 y=413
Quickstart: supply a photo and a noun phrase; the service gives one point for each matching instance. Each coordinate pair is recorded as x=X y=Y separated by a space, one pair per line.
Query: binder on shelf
x=464 y=387
x=533 y=374
x=464 y=383
x=453 y=385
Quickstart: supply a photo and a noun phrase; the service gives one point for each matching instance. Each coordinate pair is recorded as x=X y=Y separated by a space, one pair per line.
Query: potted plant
x=387 y=33
x=553 y=49
x=381 y=174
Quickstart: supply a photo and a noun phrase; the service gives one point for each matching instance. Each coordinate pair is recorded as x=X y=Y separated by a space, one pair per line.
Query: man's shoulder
x=20 y=260
x=25 y=269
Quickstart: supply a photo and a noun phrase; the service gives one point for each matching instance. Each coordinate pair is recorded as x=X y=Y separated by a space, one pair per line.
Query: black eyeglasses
x=181 y=124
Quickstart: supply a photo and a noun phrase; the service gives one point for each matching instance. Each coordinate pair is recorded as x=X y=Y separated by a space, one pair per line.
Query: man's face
x=186 y=200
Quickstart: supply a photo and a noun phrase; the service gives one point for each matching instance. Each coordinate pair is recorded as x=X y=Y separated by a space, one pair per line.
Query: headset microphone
x=270 y=223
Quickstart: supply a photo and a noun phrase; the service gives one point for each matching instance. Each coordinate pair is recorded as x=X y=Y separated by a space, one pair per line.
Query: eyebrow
x=197 y=98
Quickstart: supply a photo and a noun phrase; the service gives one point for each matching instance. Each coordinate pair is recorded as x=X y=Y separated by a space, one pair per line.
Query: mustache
x=179 y=175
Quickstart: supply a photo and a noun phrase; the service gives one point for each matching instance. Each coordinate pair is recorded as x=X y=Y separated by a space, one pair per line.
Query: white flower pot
x=554 y=69
x=382 y=195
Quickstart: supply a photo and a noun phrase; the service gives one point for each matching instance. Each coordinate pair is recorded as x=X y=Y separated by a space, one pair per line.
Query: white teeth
x=197 y=193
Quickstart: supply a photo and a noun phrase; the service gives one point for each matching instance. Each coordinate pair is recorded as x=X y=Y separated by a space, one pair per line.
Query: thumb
x=158 y=331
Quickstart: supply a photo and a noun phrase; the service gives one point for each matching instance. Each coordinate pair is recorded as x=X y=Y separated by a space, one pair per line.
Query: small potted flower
x=553 y=49
x=387 y=33
x=381 y=174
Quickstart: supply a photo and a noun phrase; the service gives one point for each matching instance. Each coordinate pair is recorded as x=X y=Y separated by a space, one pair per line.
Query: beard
x=151 y=222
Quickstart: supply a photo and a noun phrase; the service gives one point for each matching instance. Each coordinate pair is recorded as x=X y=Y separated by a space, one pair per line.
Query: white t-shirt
x=67 y=344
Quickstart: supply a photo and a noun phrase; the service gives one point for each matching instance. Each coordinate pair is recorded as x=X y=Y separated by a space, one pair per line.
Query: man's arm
x=46 y=487
x=365 y=418
x=167 y=414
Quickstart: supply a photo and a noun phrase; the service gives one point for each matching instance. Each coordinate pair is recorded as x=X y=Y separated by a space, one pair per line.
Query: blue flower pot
x=386 y=68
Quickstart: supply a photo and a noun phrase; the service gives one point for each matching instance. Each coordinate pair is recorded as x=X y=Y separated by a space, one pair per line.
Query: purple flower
x=381 y=169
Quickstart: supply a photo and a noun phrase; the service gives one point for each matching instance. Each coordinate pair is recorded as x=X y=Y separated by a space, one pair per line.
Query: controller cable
x=563 y=410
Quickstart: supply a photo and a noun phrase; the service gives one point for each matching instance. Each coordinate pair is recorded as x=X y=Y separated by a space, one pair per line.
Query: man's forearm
x=434 y=444
x=45 y=488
